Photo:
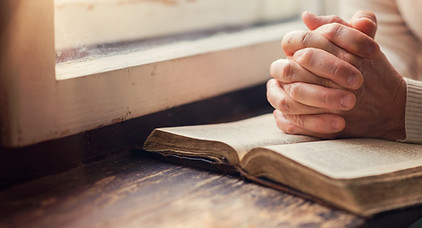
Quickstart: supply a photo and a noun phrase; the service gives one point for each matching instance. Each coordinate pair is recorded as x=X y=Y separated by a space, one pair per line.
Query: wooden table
x=136 y=190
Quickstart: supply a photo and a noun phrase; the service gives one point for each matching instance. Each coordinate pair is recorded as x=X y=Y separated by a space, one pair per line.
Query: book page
x=353 y=158
x=241 y=135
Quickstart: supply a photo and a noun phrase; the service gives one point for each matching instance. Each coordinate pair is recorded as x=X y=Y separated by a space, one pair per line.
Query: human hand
x=313 y=94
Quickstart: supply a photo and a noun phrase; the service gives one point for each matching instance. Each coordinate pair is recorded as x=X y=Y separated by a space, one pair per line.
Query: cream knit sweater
x=400 y=37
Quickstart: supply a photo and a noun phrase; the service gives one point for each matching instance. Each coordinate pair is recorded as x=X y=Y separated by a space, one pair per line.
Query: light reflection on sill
x=131 y=54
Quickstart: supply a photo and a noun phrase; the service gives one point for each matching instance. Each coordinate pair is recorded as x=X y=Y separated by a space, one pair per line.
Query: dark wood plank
x=132 y=190
x=135 y=189
x=18 y=165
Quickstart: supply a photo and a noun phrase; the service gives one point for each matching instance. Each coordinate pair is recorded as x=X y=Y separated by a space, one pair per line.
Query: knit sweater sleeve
x=413 y=116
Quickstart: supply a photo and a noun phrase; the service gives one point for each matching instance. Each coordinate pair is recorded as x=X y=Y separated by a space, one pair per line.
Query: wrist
x=397 y=123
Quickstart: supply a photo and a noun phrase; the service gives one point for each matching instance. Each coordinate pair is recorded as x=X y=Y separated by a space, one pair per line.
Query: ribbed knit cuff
x=413 y=116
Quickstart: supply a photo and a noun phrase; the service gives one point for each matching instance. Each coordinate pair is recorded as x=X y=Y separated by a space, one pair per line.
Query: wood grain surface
x=137 y=190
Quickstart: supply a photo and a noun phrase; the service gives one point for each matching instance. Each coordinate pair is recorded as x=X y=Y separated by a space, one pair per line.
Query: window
x=86 y=30
x=128 y=72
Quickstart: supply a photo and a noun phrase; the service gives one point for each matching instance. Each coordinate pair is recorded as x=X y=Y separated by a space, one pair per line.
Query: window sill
x=174 y=50
x=37 y=107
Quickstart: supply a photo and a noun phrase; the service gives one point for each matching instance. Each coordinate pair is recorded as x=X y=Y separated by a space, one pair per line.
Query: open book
x=364 y=176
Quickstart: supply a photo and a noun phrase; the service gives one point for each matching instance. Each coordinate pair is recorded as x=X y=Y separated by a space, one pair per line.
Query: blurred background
x=85 y=29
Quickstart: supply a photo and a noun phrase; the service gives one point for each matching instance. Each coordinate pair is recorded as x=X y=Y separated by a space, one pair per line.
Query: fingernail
x=336 y=124
x=347 y=101
x=352 y=80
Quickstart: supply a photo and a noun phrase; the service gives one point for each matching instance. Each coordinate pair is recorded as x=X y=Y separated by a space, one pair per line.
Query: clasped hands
x=336 y=83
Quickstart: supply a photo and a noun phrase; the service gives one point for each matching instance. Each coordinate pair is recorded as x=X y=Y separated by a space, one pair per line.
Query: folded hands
x=335 y=81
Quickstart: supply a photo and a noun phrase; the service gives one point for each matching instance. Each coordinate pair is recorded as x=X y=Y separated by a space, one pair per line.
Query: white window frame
x=86 y=22
x=36 y=107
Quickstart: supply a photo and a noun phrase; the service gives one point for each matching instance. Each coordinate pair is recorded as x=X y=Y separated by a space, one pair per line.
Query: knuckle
x=289 y=128
x=325 y=82
x=282 y=70
x=305 y=56
x=335 y=50
x=350 y=58
x=284 y=105
x=344 y=55
x=324 y=99
x=336 y=68
x=298 y=120
x=293 y=90
x=305 y=38
x=291 y=40
x=334 y=18
x=283 y=125
x=368 y=14
x=334 y=29
x=287 y=72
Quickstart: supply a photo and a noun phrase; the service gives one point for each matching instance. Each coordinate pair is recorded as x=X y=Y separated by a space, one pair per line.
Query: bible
x=363 y=176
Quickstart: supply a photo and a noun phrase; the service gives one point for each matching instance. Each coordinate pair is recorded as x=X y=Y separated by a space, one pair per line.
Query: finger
x=278 y=98
x=350 y=39
x=288 y=70
x=365 y=21
x=321 y=97
x=313 y=21
x=319 y=123
x=328 y=66
x=296 y=40
x=288 y=127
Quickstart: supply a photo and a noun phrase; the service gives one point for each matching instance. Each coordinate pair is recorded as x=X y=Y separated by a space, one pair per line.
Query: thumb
x=365 y=21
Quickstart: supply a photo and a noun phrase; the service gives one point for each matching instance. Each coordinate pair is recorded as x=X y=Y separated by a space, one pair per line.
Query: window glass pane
x=85 y=28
